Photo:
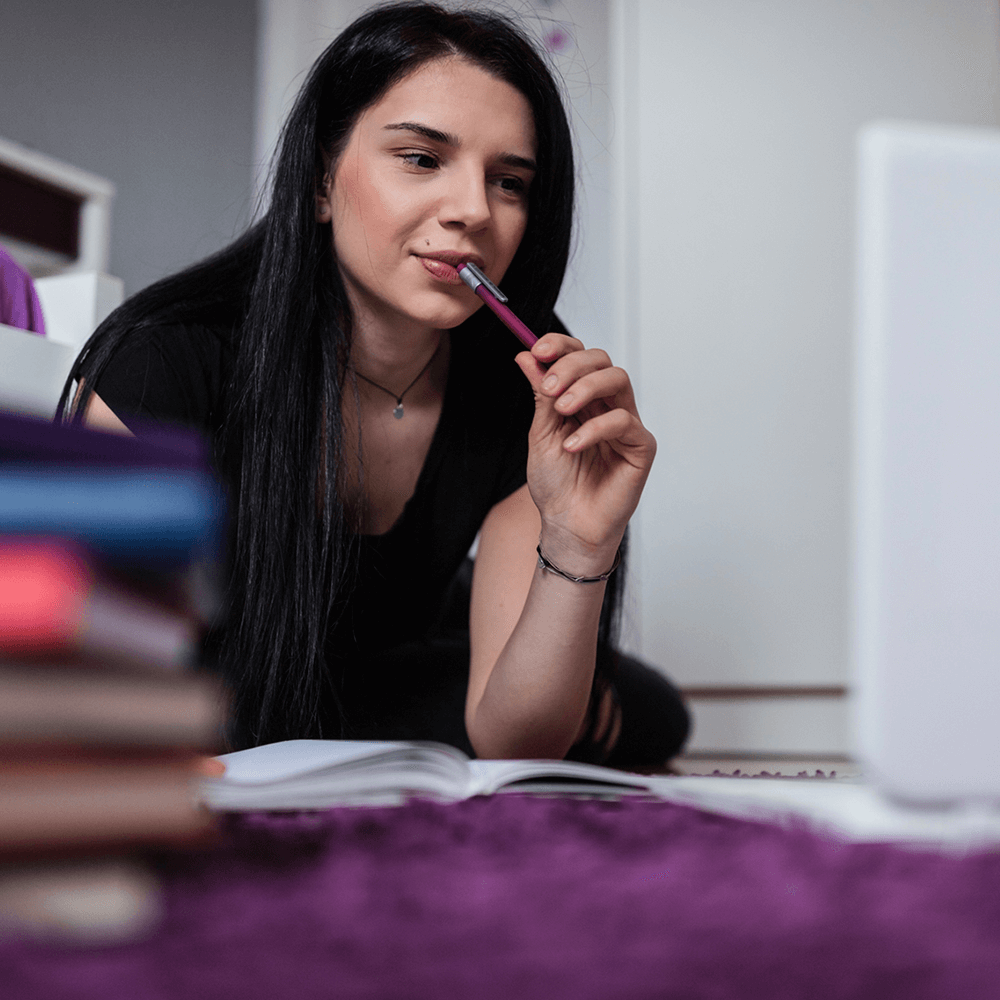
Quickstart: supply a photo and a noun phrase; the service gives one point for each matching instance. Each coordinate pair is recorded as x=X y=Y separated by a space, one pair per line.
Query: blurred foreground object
x=926 y=639
x=107 y=556
x=88 y=901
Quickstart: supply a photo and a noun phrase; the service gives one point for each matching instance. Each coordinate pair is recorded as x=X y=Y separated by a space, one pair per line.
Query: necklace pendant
x=397 y=410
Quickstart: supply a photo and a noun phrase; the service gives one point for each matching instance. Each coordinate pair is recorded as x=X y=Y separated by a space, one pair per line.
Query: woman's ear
x=324 y=211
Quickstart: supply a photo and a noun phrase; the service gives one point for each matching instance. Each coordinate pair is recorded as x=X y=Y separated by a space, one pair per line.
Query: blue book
x=149 y=501
x=153 y=517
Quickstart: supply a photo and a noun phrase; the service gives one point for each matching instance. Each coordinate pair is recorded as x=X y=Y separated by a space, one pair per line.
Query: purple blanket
x=518 y=897
x=19 y=305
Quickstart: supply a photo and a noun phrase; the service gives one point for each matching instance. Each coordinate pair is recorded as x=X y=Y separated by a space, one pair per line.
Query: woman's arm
x=534 y=642
x=534 y=634
x=101 y=417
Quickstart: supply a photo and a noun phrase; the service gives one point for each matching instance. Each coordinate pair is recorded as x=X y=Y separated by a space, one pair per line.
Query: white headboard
x=85 y=196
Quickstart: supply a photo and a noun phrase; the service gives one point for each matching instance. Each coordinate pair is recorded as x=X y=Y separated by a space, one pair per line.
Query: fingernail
x=572 y=442
x=550 y=382
x=566 y=399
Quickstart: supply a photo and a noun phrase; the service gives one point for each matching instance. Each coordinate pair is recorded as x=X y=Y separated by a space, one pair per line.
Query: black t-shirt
x=170 y=375
x=180 y=374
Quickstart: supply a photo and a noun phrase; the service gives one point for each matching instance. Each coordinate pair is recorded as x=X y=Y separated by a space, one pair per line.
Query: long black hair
x=279 y=289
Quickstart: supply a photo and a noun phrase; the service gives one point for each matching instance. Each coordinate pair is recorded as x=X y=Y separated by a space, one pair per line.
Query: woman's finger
x=549 y=424
x=548 y=421
x=609 y=385
x=554 y=346
x=567 y=369
x=534 y=370
x=621 y=430
x=563 y=372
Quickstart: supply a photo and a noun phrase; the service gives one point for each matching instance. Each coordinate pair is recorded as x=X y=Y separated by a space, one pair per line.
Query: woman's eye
x=514 y=185
x=422 y=160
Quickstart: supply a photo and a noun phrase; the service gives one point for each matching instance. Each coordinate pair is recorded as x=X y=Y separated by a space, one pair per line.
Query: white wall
x=735 y=174
x=155 y=97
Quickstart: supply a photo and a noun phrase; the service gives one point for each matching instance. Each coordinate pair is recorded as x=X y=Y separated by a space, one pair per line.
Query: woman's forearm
x=588 y=458
x=536 y=698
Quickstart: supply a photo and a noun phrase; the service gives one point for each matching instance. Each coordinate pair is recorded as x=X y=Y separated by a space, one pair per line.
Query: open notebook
x=317 y=774
x=309 y=774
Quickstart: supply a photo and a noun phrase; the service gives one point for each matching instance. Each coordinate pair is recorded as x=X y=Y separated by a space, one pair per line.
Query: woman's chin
x=443 y=316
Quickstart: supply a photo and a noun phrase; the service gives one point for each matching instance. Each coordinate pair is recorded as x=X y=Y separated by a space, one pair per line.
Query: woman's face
x=434 y=174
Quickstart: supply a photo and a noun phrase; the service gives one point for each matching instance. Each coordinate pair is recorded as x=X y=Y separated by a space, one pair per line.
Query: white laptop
x=926 y=635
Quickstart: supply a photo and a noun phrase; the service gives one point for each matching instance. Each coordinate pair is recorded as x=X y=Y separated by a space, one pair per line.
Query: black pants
x=417 y=692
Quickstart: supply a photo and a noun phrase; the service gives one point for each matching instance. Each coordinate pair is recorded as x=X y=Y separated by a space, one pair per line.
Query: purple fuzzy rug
x=520 y=897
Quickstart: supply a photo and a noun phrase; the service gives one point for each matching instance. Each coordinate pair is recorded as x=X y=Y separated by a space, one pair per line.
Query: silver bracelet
x=548 y=567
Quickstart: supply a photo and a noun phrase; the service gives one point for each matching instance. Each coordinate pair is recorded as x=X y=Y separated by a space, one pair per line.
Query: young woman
x=370 y=419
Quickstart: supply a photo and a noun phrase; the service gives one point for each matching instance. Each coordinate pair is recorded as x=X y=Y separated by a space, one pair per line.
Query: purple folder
x=19 y=305
x=32 y=440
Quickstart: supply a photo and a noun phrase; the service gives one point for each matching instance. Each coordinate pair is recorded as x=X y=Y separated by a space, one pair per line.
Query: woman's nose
x=466 y=201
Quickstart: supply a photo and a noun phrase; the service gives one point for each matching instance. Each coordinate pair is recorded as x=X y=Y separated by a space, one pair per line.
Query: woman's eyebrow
x=513 y=160
x=447 y=139
x=435 y=135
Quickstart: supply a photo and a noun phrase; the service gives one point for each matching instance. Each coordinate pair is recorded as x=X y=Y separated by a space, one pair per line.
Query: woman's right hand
x=589 y=454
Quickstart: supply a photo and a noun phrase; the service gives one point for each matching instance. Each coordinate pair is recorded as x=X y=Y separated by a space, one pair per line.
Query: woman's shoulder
x=168 y=332
x=169 y=372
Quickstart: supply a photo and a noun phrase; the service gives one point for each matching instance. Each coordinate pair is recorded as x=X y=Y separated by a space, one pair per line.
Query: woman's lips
x=441 y=270
x=444 y=264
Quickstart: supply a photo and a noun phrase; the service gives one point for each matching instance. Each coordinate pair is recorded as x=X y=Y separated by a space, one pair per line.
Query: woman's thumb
x=546 y=417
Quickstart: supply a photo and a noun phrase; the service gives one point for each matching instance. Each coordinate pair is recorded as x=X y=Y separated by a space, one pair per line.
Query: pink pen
x=495 y=299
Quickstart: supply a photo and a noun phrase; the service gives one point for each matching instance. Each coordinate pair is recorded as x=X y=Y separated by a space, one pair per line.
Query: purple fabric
x=516 y=897
x=19 y=305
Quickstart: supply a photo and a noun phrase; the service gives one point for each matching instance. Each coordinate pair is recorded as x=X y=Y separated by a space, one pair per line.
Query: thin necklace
x=397 y=410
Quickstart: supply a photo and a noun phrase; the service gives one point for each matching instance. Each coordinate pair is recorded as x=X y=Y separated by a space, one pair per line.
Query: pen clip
x=473 y=277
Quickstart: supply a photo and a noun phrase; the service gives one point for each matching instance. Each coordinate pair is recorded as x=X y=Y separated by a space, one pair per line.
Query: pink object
x=557 y=40
x=51 y=605
x=44 y=588
x=495 y=299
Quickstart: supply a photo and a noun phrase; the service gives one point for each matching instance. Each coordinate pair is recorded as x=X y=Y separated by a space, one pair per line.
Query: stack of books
x=108 y=544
